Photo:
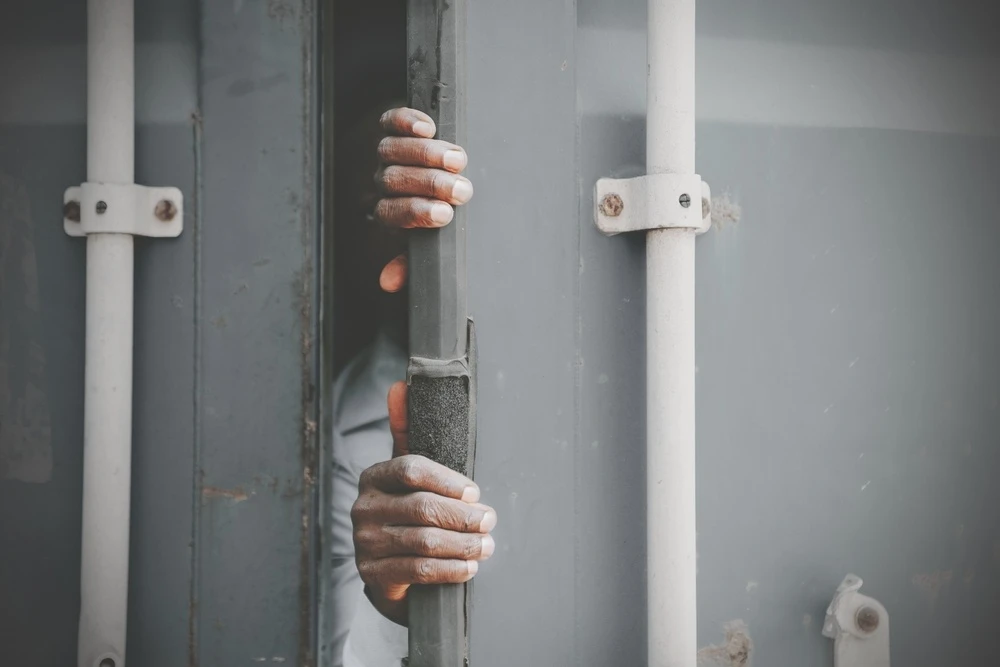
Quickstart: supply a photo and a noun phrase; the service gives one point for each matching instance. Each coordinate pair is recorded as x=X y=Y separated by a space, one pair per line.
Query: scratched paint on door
x=25 y=425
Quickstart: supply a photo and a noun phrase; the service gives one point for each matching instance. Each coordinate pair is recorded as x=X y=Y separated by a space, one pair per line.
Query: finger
x=429 y=510
x=388 y=573
x=410 y=474
x=413 y=213
x=393 y=276
x=428 y=542
x=408 y=123
x=399 y=426
x=432 y=183
x=430 y=153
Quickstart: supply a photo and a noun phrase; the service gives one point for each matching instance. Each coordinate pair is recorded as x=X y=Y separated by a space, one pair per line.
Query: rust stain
x=733 y=652
x=280 y=10
x=309 y=448
x=236 y=495
x=932 y=584
x=25 y=419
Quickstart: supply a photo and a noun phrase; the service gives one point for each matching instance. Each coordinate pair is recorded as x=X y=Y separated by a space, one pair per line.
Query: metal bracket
x=859 y=627
x=655 y=201
x=115 y=208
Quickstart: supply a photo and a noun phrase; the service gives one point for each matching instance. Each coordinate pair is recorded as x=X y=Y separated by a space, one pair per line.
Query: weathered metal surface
x=523 y=268
x=847 y=394
x=847 y=387
x=224 y=537
x=256 y=524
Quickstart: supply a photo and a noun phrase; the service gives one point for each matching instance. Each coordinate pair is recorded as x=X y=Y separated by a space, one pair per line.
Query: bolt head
x=612 y=205
x=685 y=200
x=101 y=207
x=165 y=210
x=867 y=620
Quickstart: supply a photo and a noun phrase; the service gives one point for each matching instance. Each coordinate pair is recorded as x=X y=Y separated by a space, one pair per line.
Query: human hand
x=416 y=522
x=420 y=181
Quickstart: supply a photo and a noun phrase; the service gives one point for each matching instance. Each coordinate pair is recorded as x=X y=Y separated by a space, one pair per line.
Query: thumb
x=393 y=276
x=399 y=419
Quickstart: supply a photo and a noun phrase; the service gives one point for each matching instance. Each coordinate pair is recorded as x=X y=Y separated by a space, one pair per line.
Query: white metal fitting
x=114 y=208
x=108 y=659
x=859 y=626
x=655 y=201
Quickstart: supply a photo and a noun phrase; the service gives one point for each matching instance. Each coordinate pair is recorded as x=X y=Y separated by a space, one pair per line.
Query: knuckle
x=384 y=210
x=426 y=153
x=385 y=147
x=363 y=537
x=441 y=185
x=426 y=510
x=429 y=543
x=392 y=178
x=409 y=472
x=363 y=508
x=425 y=572
x=473 y=547
x=366 y=570
x=357 y=512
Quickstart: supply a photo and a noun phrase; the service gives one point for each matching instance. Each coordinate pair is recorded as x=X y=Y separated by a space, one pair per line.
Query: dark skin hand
x=421 y=180
x=416 y=521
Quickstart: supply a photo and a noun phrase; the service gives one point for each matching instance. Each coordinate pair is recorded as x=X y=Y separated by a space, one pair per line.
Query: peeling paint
x=25 y=420
x=237 y=495
x=725 y=211
x=734 y=652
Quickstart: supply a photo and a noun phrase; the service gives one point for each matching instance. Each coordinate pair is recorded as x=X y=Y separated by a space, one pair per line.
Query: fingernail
x=489 y=522
x=462 y=192
x=473 y=566
x=442 y=213
x=454 y=160
x=489 y=546
x=423 y=129
x=470 y=494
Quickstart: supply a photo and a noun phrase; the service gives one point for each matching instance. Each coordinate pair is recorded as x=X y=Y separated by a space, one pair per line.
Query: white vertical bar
x=107 y=466
x=670 y=342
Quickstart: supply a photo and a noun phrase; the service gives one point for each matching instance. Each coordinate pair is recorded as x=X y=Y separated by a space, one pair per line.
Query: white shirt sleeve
x=361 y=637
x=362 y=634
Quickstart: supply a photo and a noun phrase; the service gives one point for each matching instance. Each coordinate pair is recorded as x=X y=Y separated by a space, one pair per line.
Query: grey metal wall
x=847 y=384
x=848 y=400
x=225 y=524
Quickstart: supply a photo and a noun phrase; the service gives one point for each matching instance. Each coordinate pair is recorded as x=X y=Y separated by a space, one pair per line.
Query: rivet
x=612 y=205
x=165 y=210
x=867 y=620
